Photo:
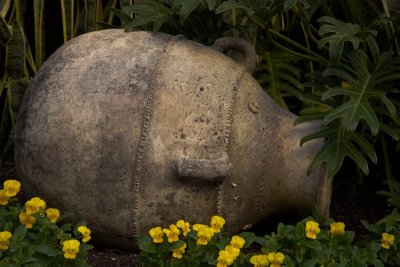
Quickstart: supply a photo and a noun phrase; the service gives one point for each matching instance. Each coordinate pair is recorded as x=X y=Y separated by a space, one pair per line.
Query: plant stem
x=315 y=57
x=391 y=27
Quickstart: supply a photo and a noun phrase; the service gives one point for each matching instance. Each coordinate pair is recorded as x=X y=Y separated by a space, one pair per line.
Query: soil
x=352 y=201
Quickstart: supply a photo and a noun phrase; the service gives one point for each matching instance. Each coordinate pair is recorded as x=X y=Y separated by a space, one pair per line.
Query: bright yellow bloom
x=198 y=226
x=35 y=205
x=172 y=233
x=312 y=229
x=275 y=259
x=259 y=260
x=71 y=248
x=337 y=228
x=204 y=235
x=4 y=240
x=177 y=253
x=387 y=240
x=85 y=232
x=217 y=222
x=233 y=251
x=237 y=242
x=53 y=214
x=3 y=198
x=224 y=259
x=12 y=187
x=27 y=219
x=156 y=234
x=185 y=226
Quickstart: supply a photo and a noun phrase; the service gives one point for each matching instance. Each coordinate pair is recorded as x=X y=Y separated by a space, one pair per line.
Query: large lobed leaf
x=366 y=86
x=339 y=144
x=336 y=33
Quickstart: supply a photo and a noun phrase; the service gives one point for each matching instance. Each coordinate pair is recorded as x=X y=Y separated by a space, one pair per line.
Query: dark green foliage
x=334 y=61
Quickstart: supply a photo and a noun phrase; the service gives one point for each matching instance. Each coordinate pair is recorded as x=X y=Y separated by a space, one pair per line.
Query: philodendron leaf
x=338 y=145
x=278 y=76
x=365 y=87
x=336 y=33
x=151 y=12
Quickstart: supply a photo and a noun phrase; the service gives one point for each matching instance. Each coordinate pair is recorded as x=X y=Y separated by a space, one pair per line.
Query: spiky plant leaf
x=338 y=144
x=336 y=33
x=149 y=12
x=366 y=86
x=278 y=75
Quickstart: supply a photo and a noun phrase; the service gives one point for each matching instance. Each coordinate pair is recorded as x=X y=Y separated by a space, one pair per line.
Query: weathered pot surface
x=129 y=130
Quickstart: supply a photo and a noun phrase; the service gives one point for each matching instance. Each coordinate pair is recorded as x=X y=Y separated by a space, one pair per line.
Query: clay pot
x=129 y=130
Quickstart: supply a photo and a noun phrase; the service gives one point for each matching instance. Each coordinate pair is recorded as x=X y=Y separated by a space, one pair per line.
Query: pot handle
x=233 y=43
x=215 y=170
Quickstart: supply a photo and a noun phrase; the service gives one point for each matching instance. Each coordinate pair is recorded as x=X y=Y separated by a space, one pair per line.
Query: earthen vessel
x=129 y=130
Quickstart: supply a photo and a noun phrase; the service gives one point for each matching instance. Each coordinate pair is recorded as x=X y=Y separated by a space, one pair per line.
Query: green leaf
x=314 y=244
x=47 y=250
x=146 y=244
x=15 y=53
x=336 y=148
x=230 y=4
x=152 y=12
x=288 y=4
x=278 y=76
x=336 y=33
x=310 y=263
x=19 y=233
x=125 y=19
x=188 y=6
x=365 y=88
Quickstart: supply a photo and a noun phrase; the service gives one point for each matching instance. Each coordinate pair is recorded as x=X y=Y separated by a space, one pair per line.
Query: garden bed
x=351 y=202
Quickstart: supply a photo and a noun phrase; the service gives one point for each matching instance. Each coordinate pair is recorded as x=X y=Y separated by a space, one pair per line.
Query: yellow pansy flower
x=156 y=234
x=4 y=240
x=177 y=253
x=217 y=222
x=275 y=259
x=387 y=240
x=237 y=242
x=11 y=187
x=3 y=198
x=35 y=205
x=259 y=260
x=233 y=251
x=204 y=235
x=27 y=219
x=172 y=233
x=337 y=228
x=312 y=229
x=85 y=232
x=71 y=248
x=53 y=214
x=185 y=226
x=224 y=259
